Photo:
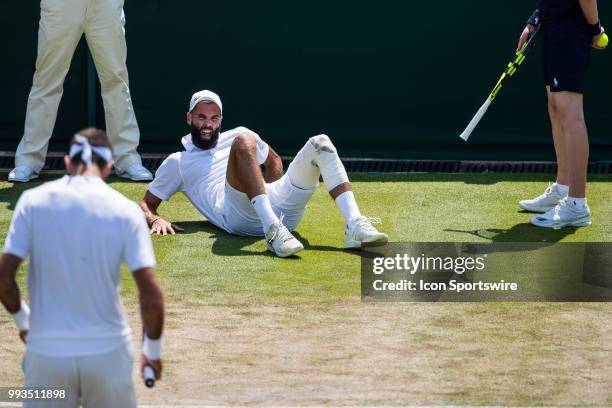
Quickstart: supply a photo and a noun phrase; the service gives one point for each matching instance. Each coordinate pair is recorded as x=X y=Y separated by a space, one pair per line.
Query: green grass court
x=244 y=327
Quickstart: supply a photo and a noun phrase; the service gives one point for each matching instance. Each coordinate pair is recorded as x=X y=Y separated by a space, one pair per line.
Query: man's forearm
x=150 y=213
x=9 y=295
x=152 y=310
x=274 y=173
x=589 y=8
x=9 y=291
x=274 y=167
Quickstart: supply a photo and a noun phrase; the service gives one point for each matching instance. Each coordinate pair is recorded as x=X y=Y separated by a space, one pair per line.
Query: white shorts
x=96 y=381
x=286 y=199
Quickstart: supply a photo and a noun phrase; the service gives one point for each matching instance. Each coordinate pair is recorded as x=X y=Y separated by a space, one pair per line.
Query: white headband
x=82 y=146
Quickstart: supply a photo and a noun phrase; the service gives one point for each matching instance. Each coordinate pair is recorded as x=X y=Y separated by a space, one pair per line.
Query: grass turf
x=480 y=354
x=207 y=265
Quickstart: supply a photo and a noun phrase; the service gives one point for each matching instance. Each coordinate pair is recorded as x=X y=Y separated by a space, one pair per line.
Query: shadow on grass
x=234 y=245
x=524 y=232
x=11 y=194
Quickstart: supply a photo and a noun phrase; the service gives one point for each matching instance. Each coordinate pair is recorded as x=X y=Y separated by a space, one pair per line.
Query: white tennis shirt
x=77 y=230
x=200 y=174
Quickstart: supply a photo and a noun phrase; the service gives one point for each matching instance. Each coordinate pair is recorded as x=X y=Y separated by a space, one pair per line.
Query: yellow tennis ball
x=603 y=41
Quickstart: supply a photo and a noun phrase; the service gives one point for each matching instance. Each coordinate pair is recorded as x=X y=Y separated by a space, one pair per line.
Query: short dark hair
x=95 y=137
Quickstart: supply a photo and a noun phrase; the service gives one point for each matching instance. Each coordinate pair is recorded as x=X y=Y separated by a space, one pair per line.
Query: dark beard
x=196 y=137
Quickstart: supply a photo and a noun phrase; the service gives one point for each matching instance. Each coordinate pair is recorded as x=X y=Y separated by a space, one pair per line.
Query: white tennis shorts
x=96 y=381
x=286 y=199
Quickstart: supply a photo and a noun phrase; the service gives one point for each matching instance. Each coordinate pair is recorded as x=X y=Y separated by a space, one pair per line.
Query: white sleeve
x=19 y=239
x=168 y=179
x=138 y=249
x=262 y=150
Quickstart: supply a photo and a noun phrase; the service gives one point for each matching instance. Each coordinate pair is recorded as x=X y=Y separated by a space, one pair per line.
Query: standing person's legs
x=59 y=373
x=106 y=379
x=572 y=211
x=563 y=172
x=59 y=32
x=569 y=108
x=105 y=34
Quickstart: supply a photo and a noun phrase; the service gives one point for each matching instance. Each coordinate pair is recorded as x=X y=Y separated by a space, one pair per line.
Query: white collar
x=188 y=143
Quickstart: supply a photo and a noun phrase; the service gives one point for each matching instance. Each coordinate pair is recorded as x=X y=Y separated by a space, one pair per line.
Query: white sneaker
x=136 y=172
x=362 y=231
x=281 y=242
x=544 y=202
x=22 y=174
x=563 y=215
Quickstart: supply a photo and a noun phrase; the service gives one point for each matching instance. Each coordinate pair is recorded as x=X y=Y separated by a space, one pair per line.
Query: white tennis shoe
x=563 y=215
x=544 y=202
x=22 y=174
x=281 y=242
x=136 y=172
x=361 y=231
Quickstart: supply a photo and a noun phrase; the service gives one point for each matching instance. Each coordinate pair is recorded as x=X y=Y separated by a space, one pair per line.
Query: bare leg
x=342 y=188
x=559 y=141
x=569 y=109
x=243 y=172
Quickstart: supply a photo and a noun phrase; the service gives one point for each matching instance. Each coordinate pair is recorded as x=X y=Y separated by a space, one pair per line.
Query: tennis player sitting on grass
x=221 y=176
x=570 y=28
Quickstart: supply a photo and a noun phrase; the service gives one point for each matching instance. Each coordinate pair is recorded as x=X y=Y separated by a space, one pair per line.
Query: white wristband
x=152 y=348
x=22 y=317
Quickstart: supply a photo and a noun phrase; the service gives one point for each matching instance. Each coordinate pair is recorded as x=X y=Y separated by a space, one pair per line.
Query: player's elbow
x=149 y=202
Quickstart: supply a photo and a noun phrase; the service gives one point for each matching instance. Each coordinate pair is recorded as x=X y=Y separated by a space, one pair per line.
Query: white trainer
x=563 y=215
x=544 y=202
x=136 y=172
x=361 y=231
x=22 y=174
x=281 y=242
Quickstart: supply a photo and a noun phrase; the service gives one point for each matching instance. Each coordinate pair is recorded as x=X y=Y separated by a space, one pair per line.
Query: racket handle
x=149 y=376
x=472 y=125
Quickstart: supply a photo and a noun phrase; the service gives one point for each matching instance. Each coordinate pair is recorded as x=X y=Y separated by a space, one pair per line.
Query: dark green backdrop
x=383 y=79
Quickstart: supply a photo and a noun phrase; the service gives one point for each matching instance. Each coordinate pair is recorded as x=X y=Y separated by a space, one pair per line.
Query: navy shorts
x=566 y=53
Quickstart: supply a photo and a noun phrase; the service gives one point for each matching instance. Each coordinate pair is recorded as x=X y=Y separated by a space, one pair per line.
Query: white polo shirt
x=77 y=230
x=200 y=174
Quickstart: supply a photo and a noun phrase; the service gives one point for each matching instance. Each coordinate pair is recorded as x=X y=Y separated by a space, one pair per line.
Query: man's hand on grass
x=163 y=227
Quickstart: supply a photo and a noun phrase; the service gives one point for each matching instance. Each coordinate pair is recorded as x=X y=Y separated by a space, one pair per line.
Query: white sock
x=264 y=211
x=577 y=203
x=348 y=206
x=561 y=188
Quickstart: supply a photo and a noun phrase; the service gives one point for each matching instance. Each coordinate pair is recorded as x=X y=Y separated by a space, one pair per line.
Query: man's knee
x=566 y=107
x=115 y=79
x=569 y=115
x=322 y=143
x=244 y=143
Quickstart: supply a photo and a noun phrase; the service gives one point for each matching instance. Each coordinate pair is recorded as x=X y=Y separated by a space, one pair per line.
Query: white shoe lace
x=550 y=214
x=281 y=232
x=366 y=223
x=546 y=193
